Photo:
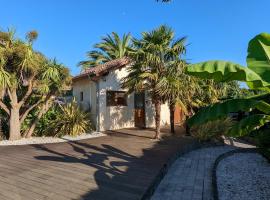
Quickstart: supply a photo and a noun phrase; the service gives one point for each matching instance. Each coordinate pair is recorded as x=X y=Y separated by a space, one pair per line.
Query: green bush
x=263 y=141
x=212 y=130
x=44 y=125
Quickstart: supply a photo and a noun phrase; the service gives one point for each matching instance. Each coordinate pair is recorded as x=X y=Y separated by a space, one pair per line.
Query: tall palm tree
x=152 y=56
x=111 y=47
x=173 y=88
x=171 y=85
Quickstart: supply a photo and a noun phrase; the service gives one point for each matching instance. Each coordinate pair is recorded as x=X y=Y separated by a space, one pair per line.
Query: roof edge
x=101 y=69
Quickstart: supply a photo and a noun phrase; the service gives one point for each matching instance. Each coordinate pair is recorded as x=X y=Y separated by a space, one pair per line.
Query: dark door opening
x=139 y=106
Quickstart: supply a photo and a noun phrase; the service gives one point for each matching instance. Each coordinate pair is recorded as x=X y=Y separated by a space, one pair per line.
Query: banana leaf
x=264 y=97
x=248 y=124
x=222 y=71
x=221 y=110
x=258 y=58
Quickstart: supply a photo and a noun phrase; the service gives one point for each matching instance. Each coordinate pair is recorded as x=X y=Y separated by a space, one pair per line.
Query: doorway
x=139 y=106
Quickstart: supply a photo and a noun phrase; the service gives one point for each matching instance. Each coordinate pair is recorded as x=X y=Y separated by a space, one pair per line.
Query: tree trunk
x=14 y=124
x=172 y=110
x=187 y=127
x=43 y=110
x=157 y=103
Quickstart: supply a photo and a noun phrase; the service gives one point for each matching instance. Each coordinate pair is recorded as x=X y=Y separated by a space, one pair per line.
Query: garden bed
x=243 y=176
x=45 y=140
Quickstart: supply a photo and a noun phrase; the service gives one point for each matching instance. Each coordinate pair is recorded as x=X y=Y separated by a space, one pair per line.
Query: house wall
x=117 y=117
x=114 y=117
x=88 y=88
x=150 y=113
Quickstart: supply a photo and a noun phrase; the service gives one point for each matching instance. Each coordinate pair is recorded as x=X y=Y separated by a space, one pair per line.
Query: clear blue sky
x=216 y=29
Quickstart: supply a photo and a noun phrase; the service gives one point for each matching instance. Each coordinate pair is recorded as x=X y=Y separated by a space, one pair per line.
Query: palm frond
x=111 y=47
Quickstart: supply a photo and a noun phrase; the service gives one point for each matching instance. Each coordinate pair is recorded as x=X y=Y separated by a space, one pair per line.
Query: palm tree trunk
x=172 y=110
x=157 y=103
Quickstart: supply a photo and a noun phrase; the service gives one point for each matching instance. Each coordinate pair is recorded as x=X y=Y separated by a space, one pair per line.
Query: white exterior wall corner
x=114 y=117
x=88 y=88
x=150 y=113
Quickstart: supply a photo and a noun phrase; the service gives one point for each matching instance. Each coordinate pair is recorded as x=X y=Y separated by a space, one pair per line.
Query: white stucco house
x=98 y=90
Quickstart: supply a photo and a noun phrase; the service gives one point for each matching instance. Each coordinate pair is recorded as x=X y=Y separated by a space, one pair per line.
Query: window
x=81 y=96
x=116 y=98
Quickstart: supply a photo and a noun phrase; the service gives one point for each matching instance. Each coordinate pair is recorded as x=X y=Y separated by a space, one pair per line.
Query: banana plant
x=257 y=76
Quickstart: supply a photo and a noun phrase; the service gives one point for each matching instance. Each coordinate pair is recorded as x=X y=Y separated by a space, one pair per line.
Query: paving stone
x=192 y=174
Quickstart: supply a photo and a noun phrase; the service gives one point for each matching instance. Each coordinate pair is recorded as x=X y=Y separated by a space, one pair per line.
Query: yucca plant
x=257 y=77
x=72 y=121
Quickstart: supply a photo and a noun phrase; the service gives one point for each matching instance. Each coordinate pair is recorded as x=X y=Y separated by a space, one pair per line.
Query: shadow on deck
x=122 y=165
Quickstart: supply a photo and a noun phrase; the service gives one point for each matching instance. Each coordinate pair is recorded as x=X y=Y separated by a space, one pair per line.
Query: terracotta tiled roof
x=101 y=69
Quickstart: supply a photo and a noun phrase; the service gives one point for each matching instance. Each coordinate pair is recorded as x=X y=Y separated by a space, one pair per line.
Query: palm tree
x=172 y=88
x=171 y=85
x=111 y=47
x=153 y=54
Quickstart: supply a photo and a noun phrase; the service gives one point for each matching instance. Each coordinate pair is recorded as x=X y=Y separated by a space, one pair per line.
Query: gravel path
x=244 y=176
x=45 y=140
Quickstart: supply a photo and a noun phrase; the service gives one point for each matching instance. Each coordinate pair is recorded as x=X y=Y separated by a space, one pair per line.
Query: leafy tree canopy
x=28 y=80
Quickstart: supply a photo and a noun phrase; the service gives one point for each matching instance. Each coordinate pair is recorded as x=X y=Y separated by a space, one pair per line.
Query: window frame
x=115 y=101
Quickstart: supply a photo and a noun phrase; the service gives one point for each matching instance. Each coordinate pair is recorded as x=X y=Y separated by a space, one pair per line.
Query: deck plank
x=120 y=166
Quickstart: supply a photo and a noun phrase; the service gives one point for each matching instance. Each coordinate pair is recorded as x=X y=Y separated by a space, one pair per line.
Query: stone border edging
x=220 y=158
x=163 y=171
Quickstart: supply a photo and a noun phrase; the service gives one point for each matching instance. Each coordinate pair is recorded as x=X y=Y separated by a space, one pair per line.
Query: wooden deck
x=119 y=166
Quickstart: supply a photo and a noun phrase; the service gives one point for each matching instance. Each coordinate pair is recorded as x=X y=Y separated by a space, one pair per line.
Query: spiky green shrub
x=72 y=121
x=212 y=129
